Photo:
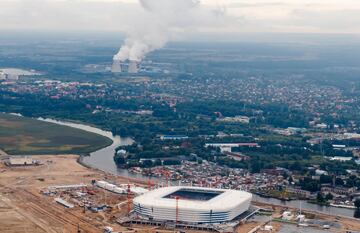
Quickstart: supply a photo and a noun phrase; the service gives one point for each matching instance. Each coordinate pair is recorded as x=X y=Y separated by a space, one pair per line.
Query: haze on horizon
x=237 y=16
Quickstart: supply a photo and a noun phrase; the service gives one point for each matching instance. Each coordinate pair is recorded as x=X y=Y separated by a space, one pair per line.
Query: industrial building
x=122 y=189
x=21 y=161
x=121 y=67
x=116 y=66
x=64 y=203
x=133 y=67
x=3 y=76
x=173 y=137
x=193 y=205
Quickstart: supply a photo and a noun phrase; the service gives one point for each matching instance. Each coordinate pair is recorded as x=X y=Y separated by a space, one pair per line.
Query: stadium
x=194 y=205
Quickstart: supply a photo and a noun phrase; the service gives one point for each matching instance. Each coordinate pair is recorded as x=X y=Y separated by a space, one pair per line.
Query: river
x=103 y=160
x=307 y=206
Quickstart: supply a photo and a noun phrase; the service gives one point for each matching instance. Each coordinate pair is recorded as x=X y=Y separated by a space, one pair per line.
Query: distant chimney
x=133 y=67
x=116 y=66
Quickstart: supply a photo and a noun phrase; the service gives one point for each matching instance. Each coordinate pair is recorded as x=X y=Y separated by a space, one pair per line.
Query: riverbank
x=27 y=136
x=103 y=161
x=21 y=198
x=345 y=223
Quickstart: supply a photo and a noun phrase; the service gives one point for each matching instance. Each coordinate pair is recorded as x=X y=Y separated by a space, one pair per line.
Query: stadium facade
x=194 y=205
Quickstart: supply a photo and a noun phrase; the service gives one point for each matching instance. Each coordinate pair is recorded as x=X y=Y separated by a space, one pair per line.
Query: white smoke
x=161 y=21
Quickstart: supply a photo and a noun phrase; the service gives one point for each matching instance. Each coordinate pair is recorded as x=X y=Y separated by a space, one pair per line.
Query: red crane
x=149 y=180
x=150 y=185
x=167 y=178
x=129 y=199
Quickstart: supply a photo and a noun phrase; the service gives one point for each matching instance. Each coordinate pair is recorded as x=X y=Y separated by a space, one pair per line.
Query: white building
x=352 y=135
x=3 y=76
x=227 y=147
x=22 y=161
x=319 y=172
x=192 y=204
x=340 y=158
x=287 y=215
x=121 y=189
x=321 y=126
x=239 y=119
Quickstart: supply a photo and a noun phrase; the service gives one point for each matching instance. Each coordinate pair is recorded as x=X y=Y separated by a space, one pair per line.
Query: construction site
x=61 y=195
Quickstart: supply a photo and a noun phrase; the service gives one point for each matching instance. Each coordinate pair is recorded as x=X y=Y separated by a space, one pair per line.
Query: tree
x=119 y=160
x=309 y=184
x=297 y=166
x=320 y=198
x=255 y=165
x=172 y=162
x=357 y=213
x=351 y=182
x=339 y=181
x=147 y=163
x=329 y=196
x=357 y=203
x=290 y=179
x=285 y=175
x=157 y=162
x=324 y=179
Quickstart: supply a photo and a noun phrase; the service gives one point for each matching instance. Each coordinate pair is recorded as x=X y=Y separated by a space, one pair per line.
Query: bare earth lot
x=24 y=209
x=21 y=201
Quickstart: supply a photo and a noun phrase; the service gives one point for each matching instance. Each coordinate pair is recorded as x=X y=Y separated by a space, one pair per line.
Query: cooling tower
x=133 y=67
x=116 y=66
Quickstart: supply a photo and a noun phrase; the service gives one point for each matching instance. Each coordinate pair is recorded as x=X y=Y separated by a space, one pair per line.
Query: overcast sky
x=301 y=16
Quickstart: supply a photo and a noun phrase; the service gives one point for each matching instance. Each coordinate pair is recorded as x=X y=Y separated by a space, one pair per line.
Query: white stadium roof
x=161 y=204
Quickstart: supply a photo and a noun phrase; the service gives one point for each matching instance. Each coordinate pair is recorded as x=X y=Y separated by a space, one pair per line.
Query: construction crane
x=216 y=181
x=149 y=183
x=167 y=178
x=128 y=199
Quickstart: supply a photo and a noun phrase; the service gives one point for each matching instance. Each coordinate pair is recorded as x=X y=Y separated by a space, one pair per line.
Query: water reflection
x=307 y=206
x=103 y=160
x=288 y=228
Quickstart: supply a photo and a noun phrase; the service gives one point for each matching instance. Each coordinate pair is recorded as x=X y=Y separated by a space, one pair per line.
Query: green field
x=26 y=136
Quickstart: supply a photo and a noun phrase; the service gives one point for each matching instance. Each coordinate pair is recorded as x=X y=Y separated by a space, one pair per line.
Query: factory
x=131 y=67
x=8 y=76
x=13 y=74
x=22 y=161
x=193 y=205
x=3 y=76
x=122 y=189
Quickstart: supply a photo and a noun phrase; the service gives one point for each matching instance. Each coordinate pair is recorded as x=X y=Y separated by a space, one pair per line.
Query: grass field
x=26 y=136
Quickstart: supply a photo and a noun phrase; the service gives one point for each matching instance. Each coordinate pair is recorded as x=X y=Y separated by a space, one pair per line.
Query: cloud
x=162 y=21
x=65 y=15
x=242 y=15
x=299 y=16
x=256 y=4
x=347 y=20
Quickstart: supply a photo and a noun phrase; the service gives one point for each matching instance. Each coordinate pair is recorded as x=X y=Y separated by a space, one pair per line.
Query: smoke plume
x=161 y=21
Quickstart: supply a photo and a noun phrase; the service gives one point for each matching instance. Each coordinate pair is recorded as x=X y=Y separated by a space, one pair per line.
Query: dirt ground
x=21 y=201
x=346 y=223
x=24 y=209
x=10 y=219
